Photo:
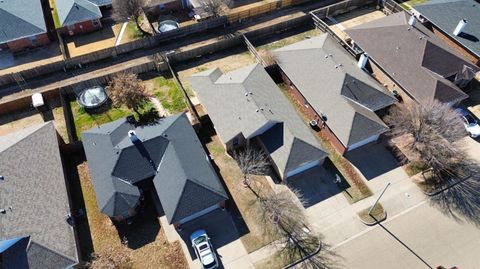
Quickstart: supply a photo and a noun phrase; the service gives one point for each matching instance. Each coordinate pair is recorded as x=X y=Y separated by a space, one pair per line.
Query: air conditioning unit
x=70 y=32
x=313 y=123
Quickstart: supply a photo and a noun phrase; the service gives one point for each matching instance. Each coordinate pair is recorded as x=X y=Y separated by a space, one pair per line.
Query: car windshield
x=470 y=120
x=200 y=240
x=203 y=247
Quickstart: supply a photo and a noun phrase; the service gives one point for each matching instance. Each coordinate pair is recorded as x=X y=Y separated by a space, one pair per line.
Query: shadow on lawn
x=461 y=201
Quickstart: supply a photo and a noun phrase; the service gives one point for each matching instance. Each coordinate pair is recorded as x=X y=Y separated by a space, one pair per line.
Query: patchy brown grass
x=157 y=254
x=378 y=213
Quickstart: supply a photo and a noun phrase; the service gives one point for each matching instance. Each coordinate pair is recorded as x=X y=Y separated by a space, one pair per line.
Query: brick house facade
x=26 y=43
x=82 y=27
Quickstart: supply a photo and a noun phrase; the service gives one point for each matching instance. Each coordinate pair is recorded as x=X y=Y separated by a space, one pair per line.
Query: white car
x=203 y=249
x=470 y=123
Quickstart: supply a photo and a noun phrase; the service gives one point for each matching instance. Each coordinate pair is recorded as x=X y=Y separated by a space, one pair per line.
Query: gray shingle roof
x=418 y=60
x=334 y=86
x=247 y=101
x=101 y=3
x=71 y=12
x=20 y=18
x=34 y=187
x=180 y=166
x=446 y=14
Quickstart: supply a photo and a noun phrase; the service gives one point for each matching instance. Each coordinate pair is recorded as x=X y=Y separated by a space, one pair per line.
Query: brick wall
x=310 y=112
x=82 y=27
x=24 y=43
x=459 y=48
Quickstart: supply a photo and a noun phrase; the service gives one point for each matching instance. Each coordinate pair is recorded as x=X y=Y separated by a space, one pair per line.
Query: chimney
x=412 y=20
x=362 y=61
x=460 y=26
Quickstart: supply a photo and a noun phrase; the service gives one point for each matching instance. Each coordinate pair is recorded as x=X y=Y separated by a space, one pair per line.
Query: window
x=95 y=22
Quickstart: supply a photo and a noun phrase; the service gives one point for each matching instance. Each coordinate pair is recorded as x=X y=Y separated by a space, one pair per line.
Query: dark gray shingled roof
x=445 y=14
x=336 y=87
x=34 y=187
x=246 y=101
x=20 y=19
x=417 y=60
x=101 y=3
x=71 y=12
x=183 y=177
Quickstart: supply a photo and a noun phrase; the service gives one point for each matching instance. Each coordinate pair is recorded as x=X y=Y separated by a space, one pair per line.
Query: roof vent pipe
x=362 y=62
x=133 y=136
x=460 y=26
x=412 y=20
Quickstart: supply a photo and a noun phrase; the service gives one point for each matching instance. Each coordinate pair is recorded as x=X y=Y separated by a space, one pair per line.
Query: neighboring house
x=34 y=224
x=22 y=25
x=444 y=17
x=78 y=16
x=412 y=60
x=338 y=96
x=246 y=104
x=158 y=7
x=166 y=160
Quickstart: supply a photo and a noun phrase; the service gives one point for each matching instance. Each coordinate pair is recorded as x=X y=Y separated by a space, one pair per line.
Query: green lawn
x=132 y=32
x=407 y=4
x=169 y=94
x=84 y=121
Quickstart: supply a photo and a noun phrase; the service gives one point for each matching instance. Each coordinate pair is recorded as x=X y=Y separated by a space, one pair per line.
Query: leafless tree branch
x=127 y=89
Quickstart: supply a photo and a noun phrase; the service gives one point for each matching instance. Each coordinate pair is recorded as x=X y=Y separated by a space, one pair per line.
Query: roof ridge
x=30 y=131
x=75 y=260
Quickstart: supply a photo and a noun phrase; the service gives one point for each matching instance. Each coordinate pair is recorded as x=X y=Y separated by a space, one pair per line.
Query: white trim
x=363 y=142
x=303 y=168
x=199 y=213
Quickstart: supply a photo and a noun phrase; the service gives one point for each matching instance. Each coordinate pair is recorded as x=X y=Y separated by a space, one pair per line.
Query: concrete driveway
x=372 y=160
x=315 y=185
x=224 y=237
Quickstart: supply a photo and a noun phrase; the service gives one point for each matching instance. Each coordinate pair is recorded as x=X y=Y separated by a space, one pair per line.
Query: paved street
x=435 y=238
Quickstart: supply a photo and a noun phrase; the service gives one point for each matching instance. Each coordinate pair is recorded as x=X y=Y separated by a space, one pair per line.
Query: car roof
x=198 y=233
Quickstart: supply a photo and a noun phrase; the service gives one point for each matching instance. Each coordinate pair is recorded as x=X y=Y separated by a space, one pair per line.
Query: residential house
x=78 y=16
x=246 y=105
x=412 y=60
x=165 y=161
x=36 y=229
x=444 y=16
x=22 y=25
x=338 y=96
x=158 y=7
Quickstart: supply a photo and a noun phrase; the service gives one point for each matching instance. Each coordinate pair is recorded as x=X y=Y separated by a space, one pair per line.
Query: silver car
x=203 y=249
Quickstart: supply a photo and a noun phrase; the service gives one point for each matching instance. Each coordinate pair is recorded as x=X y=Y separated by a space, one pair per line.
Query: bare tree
x=112 y=258
x=283 y=219
x=127 y=89
x=214 y=7
x=251 y=162
x=430 y=133
x=129 y=10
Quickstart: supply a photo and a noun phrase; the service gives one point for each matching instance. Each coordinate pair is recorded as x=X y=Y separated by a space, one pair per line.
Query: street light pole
x=378 y=199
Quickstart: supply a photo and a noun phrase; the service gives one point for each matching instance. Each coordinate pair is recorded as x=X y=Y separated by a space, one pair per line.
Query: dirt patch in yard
x=156 y=254
x=98 y=40
x=18 y=121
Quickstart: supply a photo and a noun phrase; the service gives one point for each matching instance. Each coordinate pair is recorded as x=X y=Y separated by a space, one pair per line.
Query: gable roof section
x=34 y=187
x=445 y=14
x=335 y=87
x=20 y=19
x=416 y=59
x=71 y=12
x=117 y=166
x=101 y=3
x=247 y=101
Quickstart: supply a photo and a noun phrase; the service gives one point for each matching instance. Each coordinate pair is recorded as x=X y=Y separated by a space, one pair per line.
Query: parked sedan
x=470 y=123
x=203 y=249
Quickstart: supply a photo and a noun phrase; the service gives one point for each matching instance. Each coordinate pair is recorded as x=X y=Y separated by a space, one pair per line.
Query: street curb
x=444 y=189
x=376 y=222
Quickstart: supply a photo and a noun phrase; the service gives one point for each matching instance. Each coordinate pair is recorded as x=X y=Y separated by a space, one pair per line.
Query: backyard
x=84 y=120
x=168 y=93
x=146 y=239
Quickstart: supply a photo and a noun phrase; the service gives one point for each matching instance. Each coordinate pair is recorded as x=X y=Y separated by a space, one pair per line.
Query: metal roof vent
x=133 y=136
x=2 y=178
x=412 y=21
x=460 y=26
